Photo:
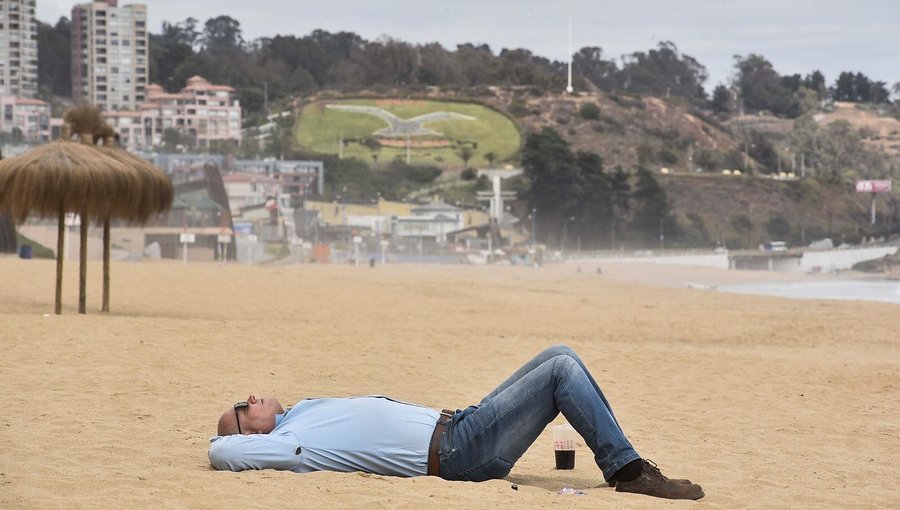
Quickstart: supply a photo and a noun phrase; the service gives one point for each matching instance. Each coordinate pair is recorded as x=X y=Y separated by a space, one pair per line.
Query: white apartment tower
x=18 y=48
x=110 y=54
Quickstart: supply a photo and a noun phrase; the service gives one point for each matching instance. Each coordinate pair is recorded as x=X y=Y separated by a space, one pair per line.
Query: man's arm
x=257 y=451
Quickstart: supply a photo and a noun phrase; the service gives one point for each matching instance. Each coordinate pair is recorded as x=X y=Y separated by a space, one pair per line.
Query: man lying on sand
x=378 y=435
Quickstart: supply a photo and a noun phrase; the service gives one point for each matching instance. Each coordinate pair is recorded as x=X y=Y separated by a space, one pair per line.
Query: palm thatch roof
x=85 y=119
x=101 y=182
x=154 y=191
x=61 y=176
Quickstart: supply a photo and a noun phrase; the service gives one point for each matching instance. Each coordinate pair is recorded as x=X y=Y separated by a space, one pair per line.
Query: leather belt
x=434 y=449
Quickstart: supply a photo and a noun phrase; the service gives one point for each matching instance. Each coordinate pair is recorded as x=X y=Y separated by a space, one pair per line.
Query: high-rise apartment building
x=18 y=48
x=110 y=54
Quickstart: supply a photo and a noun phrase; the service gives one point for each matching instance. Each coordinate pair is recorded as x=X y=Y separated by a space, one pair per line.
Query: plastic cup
x=564 y=437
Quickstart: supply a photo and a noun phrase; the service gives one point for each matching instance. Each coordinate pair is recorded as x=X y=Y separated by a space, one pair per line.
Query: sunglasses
x=239 y=405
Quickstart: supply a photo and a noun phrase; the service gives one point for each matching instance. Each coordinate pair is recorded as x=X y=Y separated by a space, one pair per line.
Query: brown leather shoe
x=653 y=483
x=612 y=483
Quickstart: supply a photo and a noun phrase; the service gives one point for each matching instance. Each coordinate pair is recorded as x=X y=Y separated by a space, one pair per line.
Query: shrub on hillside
x=667 y=156
x=693 y=231
x=589 y=111
x=469 y=174
x=517 y=108
x=708 y=160
x=778 y=227
x=644 y=154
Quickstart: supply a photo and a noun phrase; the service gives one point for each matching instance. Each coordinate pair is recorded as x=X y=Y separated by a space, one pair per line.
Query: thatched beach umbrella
x=99 y=183
x=153 y=196
x=60 y=177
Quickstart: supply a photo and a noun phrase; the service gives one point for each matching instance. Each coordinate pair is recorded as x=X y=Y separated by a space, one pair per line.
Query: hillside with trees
x=637 y=152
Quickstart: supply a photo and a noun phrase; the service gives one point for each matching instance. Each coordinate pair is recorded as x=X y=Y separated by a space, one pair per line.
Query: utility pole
x=569 y=87
x=533 y=225
x=662 y=233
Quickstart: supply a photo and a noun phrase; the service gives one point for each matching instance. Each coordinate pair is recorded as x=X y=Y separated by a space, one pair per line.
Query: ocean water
x=853 y=290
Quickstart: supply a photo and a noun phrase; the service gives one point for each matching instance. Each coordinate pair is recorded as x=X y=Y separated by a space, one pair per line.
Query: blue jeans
x=485 y=441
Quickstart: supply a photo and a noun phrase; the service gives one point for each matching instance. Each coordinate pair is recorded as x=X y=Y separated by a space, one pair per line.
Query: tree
x=596 y=206
x=815 y=81
x=722 y=99
x=761 y=87
x=778 y=227
x=490 y=157
x=590 y=65
x=664 y=71
x=465 y=153
x=54 y=57
x=173 y=140
x=172 y=53
x=620 y=200
x=743 y=226
x=222 y=34
x=555 y=178
x=652 y=211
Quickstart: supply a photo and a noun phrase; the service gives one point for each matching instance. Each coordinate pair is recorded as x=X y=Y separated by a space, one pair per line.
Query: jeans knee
x=562 y=350
x=563 y=364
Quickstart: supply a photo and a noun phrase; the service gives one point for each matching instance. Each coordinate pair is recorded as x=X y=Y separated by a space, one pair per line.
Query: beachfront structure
x=25 y=120
x=18 y=48
x=432 y=221
x=299 y=178
x=246 y=190
x=202 y=114
x=110 y=54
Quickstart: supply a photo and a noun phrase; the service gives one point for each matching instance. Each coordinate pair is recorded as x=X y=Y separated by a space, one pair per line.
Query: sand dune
x=766 y=402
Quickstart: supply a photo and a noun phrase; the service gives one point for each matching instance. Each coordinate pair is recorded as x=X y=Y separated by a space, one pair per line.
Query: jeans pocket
x=494 y=468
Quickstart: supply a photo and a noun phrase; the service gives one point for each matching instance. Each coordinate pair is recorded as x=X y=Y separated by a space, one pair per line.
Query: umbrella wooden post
x=106 y=265
x=60 y=246
x=82 y=273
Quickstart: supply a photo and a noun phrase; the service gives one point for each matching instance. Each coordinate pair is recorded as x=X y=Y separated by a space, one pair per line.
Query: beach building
x=203 y=114
x=432 y=222
x=246 y=190
x=18 y=48
x=110 y=48
x=25 y=120
x=299 y=178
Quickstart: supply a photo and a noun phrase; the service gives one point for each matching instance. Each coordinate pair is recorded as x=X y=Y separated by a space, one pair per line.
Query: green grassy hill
x=320 y=129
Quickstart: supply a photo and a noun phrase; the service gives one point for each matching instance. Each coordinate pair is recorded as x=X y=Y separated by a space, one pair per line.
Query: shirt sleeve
x=257 y=451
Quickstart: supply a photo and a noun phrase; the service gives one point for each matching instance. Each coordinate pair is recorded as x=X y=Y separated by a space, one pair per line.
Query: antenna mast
x=569 y=87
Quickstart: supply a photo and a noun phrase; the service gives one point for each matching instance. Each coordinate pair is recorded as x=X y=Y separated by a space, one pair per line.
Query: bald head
x=228 y=423
x=253 y=416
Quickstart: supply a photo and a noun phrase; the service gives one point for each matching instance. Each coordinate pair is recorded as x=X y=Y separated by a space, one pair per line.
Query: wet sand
x=766 y=402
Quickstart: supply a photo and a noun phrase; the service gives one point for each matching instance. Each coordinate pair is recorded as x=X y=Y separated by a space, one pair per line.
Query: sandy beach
x=766 y=402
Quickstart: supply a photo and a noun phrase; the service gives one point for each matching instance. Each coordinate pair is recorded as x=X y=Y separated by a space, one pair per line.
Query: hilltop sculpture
x=401 y=128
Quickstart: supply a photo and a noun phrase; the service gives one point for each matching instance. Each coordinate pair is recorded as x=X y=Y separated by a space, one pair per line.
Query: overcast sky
x=797 y=36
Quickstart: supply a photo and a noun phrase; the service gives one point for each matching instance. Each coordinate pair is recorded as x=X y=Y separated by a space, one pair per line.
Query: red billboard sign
x=873 y=186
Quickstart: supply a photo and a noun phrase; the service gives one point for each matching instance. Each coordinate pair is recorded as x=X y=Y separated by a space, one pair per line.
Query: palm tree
x=490 y=157
x=466 y=154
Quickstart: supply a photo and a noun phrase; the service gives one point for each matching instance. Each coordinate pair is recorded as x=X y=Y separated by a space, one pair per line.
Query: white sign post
x=298 y=247
x=224 y=241
x=185 y=239
x=251 y=243
x=357 y=240
x=384 y=247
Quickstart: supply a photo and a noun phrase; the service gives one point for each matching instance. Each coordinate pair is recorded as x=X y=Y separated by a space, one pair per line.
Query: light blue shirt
x=373 y=434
